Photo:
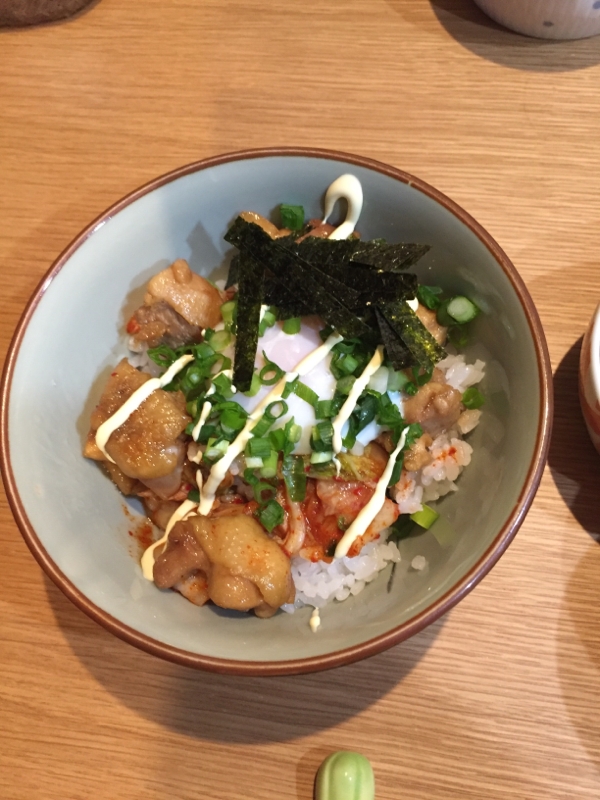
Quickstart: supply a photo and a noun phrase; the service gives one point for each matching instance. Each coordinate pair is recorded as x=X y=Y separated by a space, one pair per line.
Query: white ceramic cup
x=546 y=19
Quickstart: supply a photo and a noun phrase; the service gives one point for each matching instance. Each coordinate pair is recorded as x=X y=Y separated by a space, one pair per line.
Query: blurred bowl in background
x=546 y=19
x=589 y=379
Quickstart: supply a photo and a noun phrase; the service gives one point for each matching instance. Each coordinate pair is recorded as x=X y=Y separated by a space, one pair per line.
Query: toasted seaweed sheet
x=397 y=352
x=409 y=328
x=250 y=296
x=358 y=288
x=388 y=257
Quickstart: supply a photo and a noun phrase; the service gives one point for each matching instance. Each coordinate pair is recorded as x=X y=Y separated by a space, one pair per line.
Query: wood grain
x=500 y=699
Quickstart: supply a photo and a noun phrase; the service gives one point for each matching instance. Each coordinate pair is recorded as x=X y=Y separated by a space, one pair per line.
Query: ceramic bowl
x=546 y=19
x=589 y=379
x=70 y=335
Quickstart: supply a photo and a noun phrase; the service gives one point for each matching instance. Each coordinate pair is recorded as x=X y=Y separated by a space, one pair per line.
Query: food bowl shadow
x=578 y=651
x=228 y=708
x=572 y=459
x=475 y=31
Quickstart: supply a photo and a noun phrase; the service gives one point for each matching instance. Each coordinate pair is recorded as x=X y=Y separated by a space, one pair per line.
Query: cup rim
x=400 y=632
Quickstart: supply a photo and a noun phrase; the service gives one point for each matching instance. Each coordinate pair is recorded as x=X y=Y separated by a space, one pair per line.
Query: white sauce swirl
x=349 y=188
x=121 y=416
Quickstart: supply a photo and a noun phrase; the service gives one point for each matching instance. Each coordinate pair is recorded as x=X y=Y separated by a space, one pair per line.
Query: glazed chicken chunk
x=242 y=566
x=147 y=446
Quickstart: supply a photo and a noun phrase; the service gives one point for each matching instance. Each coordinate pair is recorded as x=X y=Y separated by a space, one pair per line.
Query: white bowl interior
x=75 y=336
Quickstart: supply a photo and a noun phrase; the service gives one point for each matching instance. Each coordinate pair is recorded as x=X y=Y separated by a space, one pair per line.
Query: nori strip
x=249 y=300
x=388 y=257
x=383 y=285
x=234 y=271
x=287 y=304
x=423 y=347
x=397 y=352
x=298 y=277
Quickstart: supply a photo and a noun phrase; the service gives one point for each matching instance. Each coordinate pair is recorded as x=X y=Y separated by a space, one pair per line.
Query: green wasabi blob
x=345 y=776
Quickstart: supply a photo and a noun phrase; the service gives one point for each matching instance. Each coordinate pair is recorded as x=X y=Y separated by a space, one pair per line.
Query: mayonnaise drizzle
x=147 y=561
x=315 y=620
x=367 y=514
x=360 y=384
x=121 y=416
x=219 y=470
x=349 y=188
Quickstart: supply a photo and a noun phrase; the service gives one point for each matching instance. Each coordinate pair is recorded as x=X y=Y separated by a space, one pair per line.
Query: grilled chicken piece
x=160 y=324
x=243 y=567
x=429 y=320
x=147 y=446
x=436 y=406
x=192 y=297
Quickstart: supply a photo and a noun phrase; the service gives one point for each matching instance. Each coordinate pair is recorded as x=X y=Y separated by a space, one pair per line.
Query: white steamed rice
x=318 y=583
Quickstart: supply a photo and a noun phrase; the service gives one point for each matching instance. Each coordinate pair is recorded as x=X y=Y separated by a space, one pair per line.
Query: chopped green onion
x=220 y=340
x=292 y=217
x=289 y=388
x=262 y=426
x=269 y=467
x=271 y=515
x=425 y=518
x=458 y=335
x=397 y=380
x=421 y=378
x=215 y=449
x=324 y=409
x=264 y=492
x=223 y=385
x=233 y=419
x=326 y=332
x=253 y=463
x=305 y=393
x=294 y=432
x=277 y=439
x=254 y=386
x=472 y=398
x=228 y=311
x=322 y=435
x=194 y=495
x=294 y=477
x=269 y=319
x=344 y=385
x=292 y=325
x=276 y=410
x=429 y=296
x=270 y=373
x=202 y=351
x=461 y=309
x=321 y=458
x=258 y=448
x=347 y=364
x=192 y=408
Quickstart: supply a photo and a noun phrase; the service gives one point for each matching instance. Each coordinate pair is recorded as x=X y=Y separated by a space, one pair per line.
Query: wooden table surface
x=501 y=698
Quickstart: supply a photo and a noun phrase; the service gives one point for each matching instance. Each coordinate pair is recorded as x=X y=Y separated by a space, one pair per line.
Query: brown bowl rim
x=400 y=632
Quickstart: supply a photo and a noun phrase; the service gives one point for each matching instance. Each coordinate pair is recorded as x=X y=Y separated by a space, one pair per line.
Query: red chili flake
x=133 y=326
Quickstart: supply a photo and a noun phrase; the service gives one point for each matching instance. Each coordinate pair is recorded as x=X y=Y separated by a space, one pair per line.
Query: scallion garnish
x=258 y=448
x=271 y=515
x=228 y=312
x=305 y=393
x=292 y=217
x=430 y=296
x=263 y=492
x=472 y=398
x=425 y=518
x=269 y=467
x=292 y=325
x=324 y=409
x=344 y=385
x=220 y=340
x=270 y=373
x=254 y=386
x=294 y=477
x=276 y=410
x=321 y=457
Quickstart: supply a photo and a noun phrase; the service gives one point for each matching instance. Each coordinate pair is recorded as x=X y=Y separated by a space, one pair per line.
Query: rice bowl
x=137 y=233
